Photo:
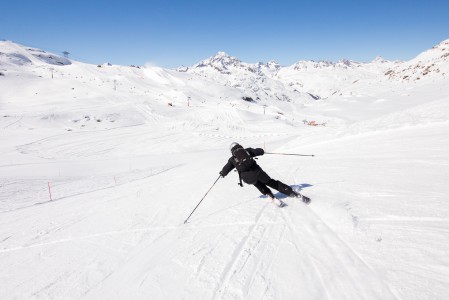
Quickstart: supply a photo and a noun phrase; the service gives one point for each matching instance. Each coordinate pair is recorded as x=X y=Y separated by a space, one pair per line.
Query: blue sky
x=172 y=33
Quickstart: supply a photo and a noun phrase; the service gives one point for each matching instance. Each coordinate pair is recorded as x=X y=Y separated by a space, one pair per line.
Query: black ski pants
x=263 y=181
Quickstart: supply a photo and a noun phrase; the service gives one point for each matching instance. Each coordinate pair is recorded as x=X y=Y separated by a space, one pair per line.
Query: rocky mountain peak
x=220 y=61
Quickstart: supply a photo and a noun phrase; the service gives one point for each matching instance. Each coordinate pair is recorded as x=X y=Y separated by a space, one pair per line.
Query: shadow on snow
x=295 y=187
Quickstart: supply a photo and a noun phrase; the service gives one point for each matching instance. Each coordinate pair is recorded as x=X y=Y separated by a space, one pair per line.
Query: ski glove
x=222 y=174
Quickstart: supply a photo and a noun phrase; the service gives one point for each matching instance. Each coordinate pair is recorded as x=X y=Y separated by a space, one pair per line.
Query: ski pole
x=290 y=154
x=201 y=200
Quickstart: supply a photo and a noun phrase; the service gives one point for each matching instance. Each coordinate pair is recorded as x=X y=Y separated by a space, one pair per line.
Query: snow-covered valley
x=127 y=153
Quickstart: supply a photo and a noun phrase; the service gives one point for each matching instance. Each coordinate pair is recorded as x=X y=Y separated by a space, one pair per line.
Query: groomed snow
x=128 y=152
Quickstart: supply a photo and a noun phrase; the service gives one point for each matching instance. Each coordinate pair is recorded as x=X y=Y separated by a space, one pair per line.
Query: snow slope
x=129 y=151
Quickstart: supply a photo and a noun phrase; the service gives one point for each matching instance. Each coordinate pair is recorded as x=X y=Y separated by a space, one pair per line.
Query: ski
x=282 y=203
x=304 y=199
x=278 y=202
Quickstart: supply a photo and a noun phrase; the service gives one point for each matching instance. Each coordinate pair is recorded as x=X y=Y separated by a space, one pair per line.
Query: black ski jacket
x=250 y=176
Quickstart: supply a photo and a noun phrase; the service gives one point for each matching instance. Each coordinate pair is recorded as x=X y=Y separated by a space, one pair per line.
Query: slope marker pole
x=49 y=191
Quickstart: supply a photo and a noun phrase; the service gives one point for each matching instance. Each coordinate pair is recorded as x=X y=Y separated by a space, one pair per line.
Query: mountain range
x=306 y=80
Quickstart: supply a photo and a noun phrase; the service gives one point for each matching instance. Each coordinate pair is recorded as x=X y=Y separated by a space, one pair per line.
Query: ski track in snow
x=350 y=262
x=255 y=254
x=242 y=254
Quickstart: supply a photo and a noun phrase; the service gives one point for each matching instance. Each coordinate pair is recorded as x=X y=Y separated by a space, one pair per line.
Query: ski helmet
x=234 y=145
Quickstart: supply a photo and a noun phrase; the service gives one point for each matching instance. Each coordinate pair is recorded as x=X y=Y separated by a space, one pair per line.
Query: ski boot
x=304 y=199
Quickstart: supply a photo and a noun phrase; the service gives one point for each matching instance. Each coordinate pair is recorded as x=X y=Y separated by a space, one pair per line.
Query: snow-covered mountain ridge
x=12 y=54
x=263 y=81
x=432 y=63
x=319 y=78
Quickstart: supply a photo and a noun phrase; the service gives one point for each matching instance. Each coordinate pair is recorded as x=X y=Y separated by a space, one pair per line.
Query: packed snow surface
x=101 y=164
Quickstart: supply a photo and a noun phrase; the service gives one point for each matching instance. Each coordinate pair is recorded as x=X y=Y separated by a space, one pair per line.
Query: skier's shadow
x=295 y=187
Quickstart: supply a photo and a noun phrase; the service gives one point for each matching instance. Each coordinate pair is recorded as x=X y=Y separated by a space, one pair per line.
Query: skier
x=251 y=173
